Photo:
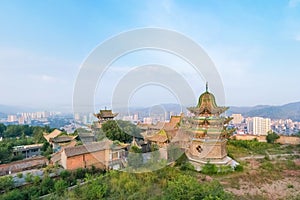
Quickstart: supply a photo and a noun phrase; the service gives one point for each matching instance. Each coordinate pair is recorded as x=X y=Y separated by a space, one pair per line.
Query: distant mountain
x=176 y=109
x=3 y=115
x=287 y=111
x=5 y=109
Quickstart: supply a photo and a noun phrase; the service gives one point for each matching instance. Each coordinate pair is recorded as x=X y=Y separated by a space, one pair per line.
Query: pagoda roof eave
x=214 y=110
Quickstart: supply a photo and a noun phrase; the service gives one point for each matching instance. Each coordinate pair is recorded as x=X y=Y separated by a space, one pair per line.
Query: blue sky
x=255 y=46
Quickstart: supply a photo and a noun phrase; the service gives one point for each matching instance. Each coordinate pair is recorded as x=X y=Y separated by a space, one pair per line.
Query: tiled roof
x=105 y=114
x=86 y=135
x=61 y=139
x=55 y=158
x=69 y=144
x=53 y=134
x=89 y=148
x=24 y=147
x=173 y=124
x=134 y=143
x=161 y=136
x=162 y=125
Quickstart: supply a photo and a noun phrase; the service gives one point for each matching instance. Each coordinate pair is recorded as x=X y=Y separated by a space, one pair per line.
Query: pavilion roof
x=160 y=136
x=173 y=123
x=105 y=114
x=53 y=134
x=207 y=105
x=62 y=139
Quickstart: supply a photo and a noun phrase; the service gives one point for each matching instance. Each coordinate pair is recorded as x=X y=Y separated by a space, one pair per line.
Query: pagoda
x=105 y=115
x=207 y=130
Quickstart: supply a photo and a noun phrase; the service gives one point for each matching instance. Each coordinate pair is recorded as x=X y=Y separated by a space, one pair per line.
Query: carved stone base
x=199 y=163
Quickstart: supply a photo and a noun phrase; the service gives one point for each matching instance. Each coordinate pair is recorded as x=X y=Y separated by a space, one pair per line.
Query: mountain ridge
x=286 y=111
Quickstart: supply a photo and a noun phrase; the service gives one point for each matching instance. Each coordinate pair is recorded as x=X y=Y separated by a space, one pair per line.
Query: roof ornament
x=206 y=86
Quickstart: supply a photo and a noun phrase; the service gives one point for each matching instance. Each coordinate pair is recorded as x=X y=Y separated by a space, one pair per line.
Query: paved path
x=270 y=156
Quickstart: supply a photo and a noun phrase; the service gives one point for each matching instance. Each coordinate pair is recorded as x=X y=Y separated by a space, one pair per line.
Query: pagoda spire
x=206 y=86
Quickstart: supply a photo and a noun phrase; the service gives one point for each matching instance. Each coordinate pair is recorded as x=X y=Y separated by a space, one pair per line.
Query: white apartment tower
x=259 y=126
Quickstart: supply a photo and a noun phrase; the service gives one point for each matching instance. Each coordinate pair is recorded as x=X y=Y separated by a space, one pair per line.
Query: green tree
x=37 y=134
x=46 y=149
x=129 y=128
x=18 y=130
x=183 y=187
x=272 y=137
x=60 y=186
x=47 y=185
x=5 y=153
x=2 y=129
x=13 y=195
x=135 y=157
x=187 y=187
x=6 y=183
x=122 y=131
x=95 y=189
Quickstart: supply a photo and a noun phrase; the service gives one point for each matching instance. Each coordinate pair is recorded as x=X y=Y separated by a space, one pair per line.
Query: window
x=115 y=155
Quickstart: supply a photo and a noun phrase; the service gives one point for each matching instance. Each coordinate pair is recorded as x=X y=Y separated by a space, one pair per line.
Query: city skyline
x=254 y=45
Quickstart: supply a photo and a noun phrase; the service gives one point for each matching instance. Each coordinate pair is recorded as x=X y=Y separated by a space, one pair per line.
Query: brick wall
x=288 y=140
x=97 y=159
x=282 y=140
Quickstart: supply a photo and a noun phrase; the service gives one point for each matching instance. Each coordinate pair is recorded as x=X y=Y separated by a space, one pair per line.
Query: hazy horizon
x=255 y=46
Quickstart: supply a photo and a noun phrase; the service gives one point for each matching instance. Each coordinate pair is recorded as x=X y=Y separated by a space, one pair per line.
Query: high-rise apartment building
x=259 y=126
x=12 y=118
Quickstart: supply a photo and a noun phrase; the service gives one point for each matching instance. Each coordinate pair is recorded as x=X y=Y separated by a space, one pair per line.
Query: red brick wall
x=96 y=159
x=75 y=162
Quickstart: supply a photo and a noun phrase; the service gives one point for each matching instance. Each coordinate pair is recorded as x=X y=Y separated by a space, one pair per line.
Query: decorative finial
x=105 y=108
x=206 y=86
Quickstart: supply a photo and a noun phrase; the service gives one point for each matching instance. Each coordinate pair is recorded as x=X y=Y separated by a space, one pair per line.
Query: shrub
x=225 y=169
x=209 y=169
x=20 y=175
x=239 y=168
x=267 y=166
x=60 y=186
x=36 y=180
x=6 y=183
x=187 y=166
x=272 y=137
x=29 y=178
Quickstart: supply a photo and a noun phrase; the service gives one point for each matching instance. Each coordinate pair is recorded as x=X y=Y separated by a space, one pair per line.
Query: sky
x=254 y=44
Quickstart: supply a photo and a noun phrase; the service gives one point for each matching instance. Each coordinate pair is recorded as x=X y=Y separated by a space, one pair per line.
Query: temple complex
x=202 y=136
x=163 y=132
x=207 y=131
